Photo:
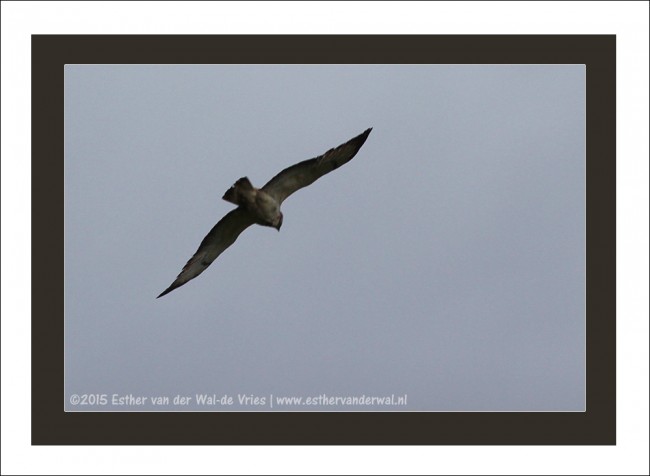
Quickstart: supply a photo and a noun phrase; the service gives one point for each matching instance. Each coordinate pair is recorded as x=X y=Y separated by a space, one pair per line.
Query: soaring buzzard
x=262 y=205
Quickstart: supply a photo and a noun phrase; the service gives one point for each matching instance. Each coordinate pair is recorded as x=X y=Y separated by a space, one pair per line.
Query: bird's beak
x=278 y=227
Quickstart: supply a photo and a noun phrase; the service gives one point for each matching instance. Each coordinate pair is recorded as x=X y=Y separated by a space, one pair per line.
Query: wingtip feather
x=168 y=290
x=363 y=136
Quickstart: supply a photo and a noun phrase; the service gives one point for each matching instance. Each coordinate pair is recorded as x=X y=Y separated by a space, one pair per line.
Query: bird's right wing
x=222 y=235
x=308 y=171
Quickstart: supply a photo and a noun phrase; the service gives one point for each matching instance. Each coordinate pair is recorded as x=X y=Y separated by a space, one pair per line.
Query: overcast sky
x=446 y=262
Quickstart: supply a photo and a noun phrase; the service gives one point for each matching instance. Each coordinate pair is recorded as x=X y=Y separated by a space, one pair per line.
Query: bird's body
x=262 y=205
x=264 y=209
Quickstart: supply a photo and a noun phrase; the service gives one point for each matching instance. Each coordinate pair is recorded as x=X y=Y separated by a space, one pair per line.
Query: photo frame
x=51 y=425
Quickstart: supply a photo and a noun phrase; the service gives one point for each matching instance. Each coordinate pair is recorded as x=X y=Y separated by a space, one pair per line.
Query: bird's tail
x=234 y=193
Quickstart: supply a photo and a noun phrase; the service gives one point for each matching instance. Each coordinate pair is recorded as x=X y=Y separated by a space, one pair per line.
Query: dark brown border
x=51 y=425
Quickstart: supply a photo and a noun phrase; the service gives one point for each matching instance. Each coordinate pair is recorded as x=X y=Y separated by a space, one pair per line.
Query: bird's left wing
x=222 y=235
x=307 y=172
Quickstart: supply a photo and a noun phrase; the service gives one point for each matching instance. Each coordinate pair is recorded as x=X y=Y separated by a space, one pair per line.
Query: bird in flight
x=262 y=205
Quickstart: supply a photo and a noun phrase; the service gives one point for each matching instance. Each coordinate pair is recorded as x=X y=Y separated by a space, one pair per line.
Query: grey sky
x=445 y=262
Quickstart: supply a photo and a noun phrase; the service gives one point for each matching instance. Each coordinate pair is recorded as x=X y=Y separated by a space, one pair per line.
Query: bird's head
x=278 y=221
